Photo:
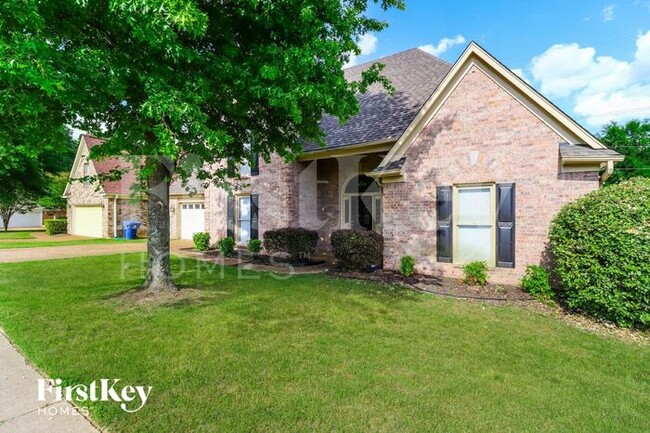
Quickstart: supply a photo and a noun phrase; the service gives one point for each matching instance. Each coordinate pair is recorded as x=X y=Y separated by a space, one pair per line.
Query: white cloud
x=443 y=45
x=602 y=88
x=608 y=13
x=367 y=45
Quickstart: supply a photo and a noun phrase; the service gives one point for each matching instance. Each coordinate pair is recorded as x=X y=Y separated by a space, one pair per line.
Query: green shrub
x=407 y=266
x=201 y=241
x=227 y=247
x=299 y=243
x=357 y=249
x=254 y=246
x=475 y=273
x=56 y=227
x=536 y=281
x=600 y=245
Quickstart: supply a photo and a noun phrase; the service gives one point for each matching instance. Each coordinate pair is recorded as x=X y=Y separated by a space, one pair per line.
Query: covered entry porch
x=336 y=193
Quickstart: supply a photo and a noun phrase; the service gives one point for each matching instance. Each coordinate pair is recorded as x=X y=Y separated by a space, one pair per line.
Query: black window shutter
x=231 y=167
x=444 y=227
x=230 y=218
x=255 y=168
x=254 y=216
x=506 y=225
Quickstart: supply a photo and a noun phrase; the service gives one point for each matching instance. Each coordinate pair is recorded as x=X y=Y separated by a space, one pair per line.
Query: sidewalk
x=20 y=412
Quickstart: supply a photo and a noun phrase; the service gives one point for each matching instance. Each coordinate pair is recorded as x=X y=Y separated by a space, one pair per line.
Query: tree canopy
x=633 y=141
x=185 y=84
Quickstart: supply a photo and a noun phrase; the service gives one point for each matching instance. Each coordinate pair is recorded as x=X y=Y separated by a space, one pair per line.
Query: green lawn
x=317 y=354
x=36 y=244
x=15 y=235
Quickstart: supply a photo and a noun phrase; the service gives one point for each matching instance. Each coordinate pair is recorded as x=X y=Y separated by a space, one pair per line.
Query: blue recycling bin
x=131 y=229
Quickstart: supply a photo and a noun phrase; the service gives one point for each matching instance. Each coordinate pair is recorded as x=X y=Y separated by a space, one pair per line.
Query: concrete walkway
x=20 y=412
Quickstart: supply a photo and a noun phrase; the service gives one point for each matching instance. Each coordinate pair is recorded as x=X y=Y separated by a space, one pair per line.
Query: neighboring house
x=99 y=210
x=32 y=219
x=464 y=162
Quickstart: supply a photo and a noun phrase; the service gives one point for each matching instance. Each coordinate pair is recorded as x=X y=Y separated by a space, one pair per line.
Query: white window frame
x=238 y=198
x=245 y=168
x=493 y=219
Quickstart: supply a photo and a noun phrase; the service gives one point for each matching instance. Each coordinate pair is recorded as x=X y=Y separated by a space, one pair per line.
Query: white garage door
x=87 y=221
x=22 y=220
x=192 y=219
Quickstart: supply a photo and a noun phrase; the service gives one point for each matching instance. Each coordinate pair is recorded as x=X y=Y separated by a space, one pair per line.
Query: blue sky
x=590 y=57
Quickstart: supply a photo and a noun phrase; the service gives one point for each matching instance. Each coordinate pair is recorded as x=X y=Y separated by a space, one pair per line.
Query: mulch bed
x=440 y=286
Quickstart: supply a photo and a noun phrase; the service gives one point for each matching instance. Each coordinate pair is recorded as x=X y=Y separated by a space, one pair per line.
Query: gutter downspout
x=609 y=170
x=115 y=216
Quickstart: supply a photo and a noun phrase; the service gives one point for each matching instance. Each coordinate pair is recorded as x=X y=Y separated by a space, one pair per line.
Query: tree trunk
x=159 y=277
x=6 y=216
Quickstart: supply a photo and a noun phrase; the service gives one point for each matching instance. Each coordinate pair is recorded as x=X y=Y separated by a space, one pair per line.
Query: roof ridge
x=399 y=53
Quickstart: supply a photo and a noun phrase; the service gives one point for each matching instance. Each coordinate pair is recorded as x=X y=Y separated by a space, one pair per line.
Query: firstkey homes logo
x=131 y=398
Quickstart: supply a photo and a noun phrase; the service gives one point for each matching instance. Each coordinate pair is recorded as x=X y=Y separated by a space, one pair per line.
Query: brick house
x=99 y=210
x=464 y=162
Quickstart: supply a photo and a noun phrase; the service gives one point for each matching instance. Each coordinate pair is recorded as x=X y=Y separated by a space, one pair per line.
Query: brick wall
x=276 y=185
x=81 y=194
x=480 y=134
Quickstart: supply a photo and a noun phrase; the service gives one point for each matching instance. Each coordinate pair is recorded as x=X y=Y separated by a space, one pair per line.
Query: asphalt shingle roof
x=415 y=76
x=579 y=151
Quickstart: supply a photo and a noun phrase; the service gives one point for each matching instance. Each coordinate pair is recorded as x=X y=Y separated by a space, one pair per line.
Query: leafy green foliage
x=56 y=227
x=184 y=83
x=201 y=241
x=601 y=248
x=254 y=246
x=298 y=243
x=14 y=198
x=227 y=247
x=475 y=273
x=357 y=249
x=633 y=141
x=55 y=187
x=407 y=266
x=536 y=281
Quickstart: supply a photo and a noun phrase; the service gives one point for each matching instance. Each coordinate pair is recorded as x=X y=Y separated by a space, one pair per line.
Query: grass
x=15 y=235
x=37 y=244
x=310 y=353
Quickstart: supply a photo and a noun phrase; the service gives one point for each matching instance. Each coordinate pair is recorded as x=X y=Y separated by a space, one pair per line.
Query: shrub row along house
x=463 y=162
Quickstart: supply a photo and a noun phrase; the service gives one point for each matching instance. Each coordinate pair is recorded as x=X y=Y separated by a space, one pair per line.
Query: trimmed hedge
x=600 y=245
x=56 y=227
x=254 y=246
x=407 y=266
x=201 y=241
x=475 y=273
x=227 y=247
x=358 y=249
x=536 y=281
x=299 y=243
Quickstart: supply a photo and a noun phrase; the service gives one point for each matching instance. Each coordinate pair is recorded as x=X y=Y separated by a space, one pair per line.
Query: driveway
x=64 y=252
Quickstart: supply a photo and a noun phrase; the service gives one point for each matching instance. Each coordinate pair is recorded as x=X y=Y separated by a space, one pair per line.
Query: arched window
x=362 y=184
x=361 y=204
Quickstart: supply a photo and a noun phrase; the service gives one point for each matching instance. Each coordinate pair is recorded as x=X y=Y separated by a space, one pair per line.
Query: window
x=245 y=168
x=243 y=219
x=474 y=224
x=86 y=169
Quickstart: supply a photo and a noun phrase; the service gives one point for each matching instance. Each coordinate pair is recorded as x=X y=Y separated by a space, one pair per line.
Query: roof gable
x=128 y=179
x=474 y=55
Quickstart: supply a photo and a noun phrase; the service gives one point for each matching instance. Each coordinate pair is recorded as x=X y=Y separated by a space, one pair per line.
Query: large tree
x=184 y=84
x=633 y=141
